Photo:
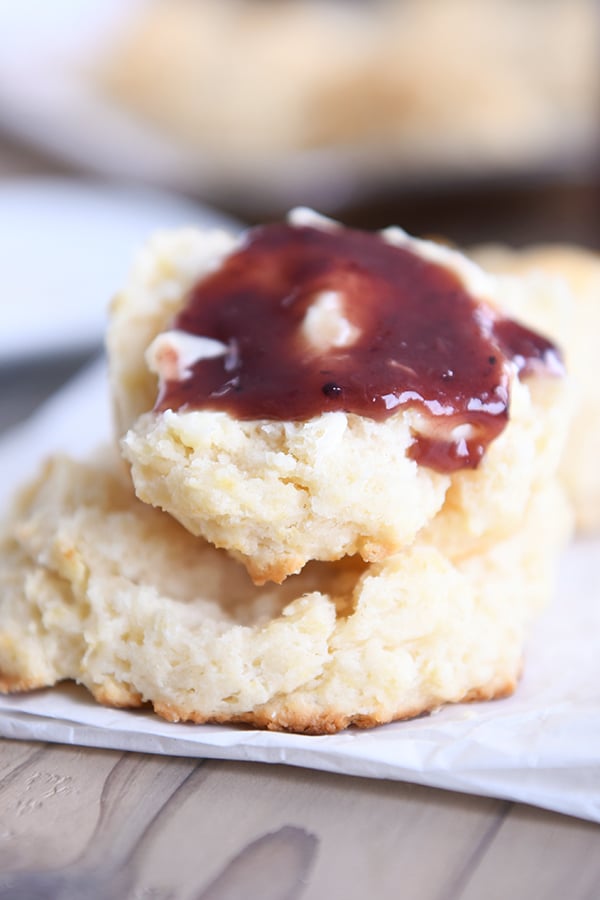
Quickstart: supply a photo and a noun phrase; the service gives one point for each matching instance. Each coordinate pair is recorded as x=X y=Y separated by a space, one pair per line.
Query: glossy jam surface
x=419 y=339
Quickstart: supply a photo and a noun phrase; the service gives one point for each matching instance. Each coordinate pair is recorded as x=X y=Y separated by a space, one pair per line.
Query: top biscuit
x=310 y=392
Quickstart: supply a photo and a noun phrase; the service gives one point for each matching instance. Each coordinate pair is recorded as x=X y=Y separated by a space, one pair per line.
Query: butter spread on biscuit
x=307 y=317
x=326 y=325
x=172 y=355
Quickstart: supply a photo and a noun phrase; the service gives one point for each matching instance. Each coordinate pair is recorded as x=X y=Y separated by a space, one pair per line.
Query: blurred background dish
x=65 y=248
x=257 y=105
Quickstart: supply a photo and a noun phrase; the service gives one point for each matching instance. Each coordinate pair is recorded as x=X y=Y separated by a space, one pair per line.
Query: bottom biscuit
x=99 y=588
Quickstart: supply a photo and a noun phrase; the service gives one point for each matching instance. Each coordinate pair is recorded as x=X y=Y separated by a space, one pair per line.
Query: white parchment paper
x=541 y=746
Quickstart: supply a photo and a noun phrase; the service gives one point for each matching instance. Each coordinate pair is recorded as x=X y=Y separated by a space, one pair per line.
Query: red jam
x=423 y=341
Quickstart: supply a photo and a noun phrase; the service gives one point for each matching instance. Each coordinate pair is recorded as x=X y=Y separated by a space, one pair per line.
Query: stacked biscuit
x=295 y=575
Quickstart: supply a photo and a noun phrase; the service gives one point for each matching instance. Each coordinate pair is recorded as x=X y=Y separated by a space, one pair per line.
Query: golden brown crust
x=297 y=721
x=14 y=684
x=277 y=572
x=117 y=695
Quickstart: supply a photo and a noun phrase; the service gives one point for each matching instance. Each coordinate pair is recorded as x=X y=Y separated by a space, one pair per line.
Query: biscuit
x=98 y=587
x=547 y=270
x=433 y=87
x=277 y=494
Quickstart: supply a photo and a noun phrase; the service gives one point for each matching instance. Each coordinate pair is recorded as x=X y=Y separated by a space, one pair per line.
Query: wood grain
x=79 y=823
x=538 y=855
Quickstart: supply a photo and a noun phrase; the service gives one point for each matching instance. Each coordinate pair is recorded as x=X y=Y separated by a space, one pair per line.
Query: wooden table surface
x=83 y=823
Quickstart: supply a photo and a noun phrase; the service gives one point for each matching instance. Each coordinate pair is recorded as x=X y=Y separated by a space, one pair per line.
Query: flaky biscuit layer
x=100 y=588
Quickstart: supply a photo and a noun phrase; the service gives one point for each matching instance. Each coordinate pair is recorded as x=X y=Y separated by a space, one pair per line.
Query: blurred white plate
x=48 y=101
x=65 y=248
